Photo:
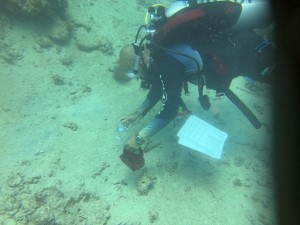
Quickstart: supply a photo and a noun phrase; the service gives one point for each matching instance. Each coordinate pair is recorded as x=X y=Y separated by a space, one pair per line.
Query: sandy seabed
x=59 y=156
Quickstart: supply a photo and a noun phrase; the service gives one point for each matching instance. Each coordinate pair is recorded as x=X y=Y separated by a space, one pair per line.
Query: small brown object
x=134 y=161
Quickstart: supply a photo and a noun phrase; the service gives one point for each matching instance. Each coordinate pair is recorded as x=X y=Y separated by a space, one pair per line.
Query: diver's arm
x=172 y=72
x=153 y=96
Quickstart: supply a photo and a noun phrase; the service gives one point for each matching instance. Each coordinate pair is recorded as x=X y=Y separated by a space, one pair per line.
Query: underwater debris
x=239 y=161
x=70 y=125
x=247 y=182
x=153 y=216
x=106 y=46
x=102 y=167
x=66 y=61
x=44 y=42
x=57 y=79
x=86 y=89
x=145 y=183
x=50 y=206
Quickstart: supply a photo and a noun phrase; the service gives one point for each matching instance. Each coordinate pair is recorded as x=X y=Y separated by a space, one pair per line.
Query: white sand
x=189 y=188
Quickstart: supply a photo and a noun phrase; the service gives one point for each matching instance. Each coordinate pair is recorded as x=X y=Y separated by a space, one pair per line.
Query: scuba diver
x=204 y=43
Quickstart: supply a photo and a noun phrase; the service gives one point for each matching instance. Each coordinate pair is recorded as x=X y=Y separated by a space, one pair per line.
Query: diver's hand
x=129 y=120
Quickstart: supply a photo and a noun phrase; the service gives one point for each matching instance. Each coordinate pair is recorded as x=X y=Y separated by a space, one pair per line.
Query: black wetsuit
x=223 y=59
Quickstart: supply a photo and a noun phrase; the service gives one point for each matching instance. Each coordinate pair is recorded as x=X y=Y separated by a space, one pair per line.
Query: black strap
x=203 y=99
x=244 y=109
x=186 y=88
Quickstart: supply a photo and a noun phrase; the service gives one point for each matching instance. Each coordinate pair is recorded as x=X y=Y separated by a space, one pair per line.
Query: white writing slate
x=203 y=137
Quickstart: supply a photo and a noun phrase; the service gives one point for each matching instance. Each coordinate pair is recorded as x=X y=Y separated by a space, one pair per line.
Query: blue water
x=59 y=148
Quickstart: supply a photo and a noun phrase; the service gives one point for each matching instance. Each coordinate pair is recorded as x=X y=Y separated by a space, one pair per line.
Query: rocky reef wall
x=34 y=8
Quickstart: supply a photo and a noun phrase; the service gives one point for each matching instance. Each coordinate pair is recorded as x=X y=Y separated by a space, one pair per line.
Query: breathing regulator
x=154 y=17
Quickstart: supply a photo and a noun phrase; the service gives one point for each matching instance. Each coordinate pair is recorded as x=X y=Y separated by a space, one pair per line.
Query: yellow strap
x=147 y=14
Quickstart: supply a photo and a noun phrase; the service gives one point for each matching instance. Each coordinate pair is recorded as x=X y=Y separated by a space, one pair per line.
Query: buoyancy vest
x=198 y=20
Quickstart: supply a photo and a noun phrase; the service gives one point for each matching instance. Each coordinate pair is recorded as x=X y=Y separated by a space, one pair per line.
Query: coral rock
x=61 y=32
x=35 y=8
x=145 y=183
